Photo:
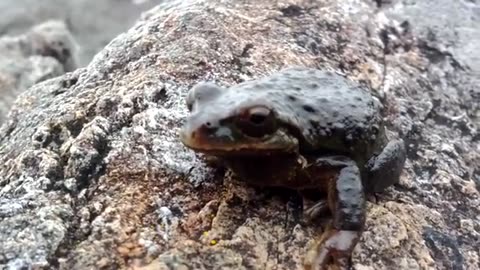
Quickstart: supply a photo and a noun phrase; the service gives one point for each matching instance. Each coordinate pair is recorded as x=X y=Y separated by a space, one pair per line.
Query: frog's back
x=326 y=110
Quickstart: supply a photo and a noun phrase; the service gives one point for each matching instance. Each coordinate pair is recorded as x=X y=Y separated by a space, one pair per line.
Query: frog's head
x=225 y=122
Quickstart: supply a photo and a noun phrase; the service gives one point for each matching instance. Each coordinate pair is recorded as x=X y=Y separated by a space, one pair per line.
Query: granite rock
x=47 y=50
x=93 y=176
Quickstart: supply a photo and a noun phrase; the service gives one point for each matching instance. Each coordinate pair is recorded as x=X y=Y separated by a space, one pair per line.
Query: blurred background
x=43 y=39
x=93 y=23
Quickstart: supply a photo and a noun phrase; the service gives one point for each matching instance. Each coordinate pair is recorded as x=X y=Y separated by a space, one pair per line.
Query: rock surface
x=92 y=174
x=93 y=23
x=47 y=50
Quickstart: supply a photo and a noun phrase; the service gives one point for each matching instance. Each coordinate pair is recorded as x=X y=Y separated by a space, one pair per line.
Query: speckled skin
x=304 y=129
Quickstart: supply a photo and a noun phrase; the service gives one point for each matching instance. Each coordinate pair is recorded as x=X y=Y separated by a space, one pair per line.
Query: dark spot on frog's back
x=309 y=108
x=291 y=98
x=322 y=100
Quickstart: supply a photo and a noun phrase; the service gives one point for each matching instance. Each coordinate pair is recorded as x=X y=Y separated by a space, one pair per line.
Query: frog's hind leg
x=384 y=169
x=346 y=201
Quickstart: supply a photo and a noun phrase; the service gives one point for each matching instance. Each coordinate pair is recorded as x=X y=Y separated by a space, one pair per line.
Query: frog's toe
x=333 y=252
x=316 y=210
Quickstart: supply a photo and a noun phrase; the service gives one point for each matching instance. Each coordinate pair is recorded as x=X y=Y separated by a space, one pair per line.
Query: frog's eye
x=256 y=122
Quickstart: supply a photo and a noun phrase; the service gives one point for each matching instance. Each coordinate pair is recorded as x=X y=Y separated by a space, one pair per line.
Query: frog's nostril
x=208 y=128
x=193 y=135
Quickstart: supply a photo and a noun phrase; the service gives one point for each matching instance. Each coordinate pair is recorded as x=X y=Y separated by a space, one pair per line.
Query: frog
x=305 y=129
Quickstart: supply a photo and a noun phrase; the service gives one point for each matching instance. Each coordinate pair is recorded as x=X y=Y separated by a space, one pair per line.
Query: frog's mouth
x=231 y=144
x=243 y=152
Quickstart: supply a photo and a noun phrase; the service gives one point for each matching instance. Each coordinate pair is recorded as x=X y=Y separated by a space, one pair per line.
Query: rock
x=46 y=51
x=94 y=23
x=92 y=174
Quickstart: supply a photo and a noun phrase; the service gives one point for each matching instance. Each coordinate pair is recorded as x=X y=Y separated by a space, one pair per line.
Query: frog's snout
x=198 y=134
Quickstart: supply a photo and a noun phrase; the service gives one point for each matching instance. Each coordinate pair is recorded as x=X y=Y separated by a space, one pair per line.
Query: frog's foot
x=333 y=250
x=316 y=210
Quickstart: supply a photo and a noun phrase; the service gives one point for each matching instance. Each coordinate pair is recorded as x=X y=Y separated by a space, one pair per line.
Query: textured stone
x=143 y=200
x=94 y=23
x=46 y=51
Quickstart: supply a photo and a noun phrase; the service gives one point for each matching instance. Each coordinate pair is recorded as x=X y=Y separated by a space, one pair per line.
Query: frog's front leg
x=346 y=201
